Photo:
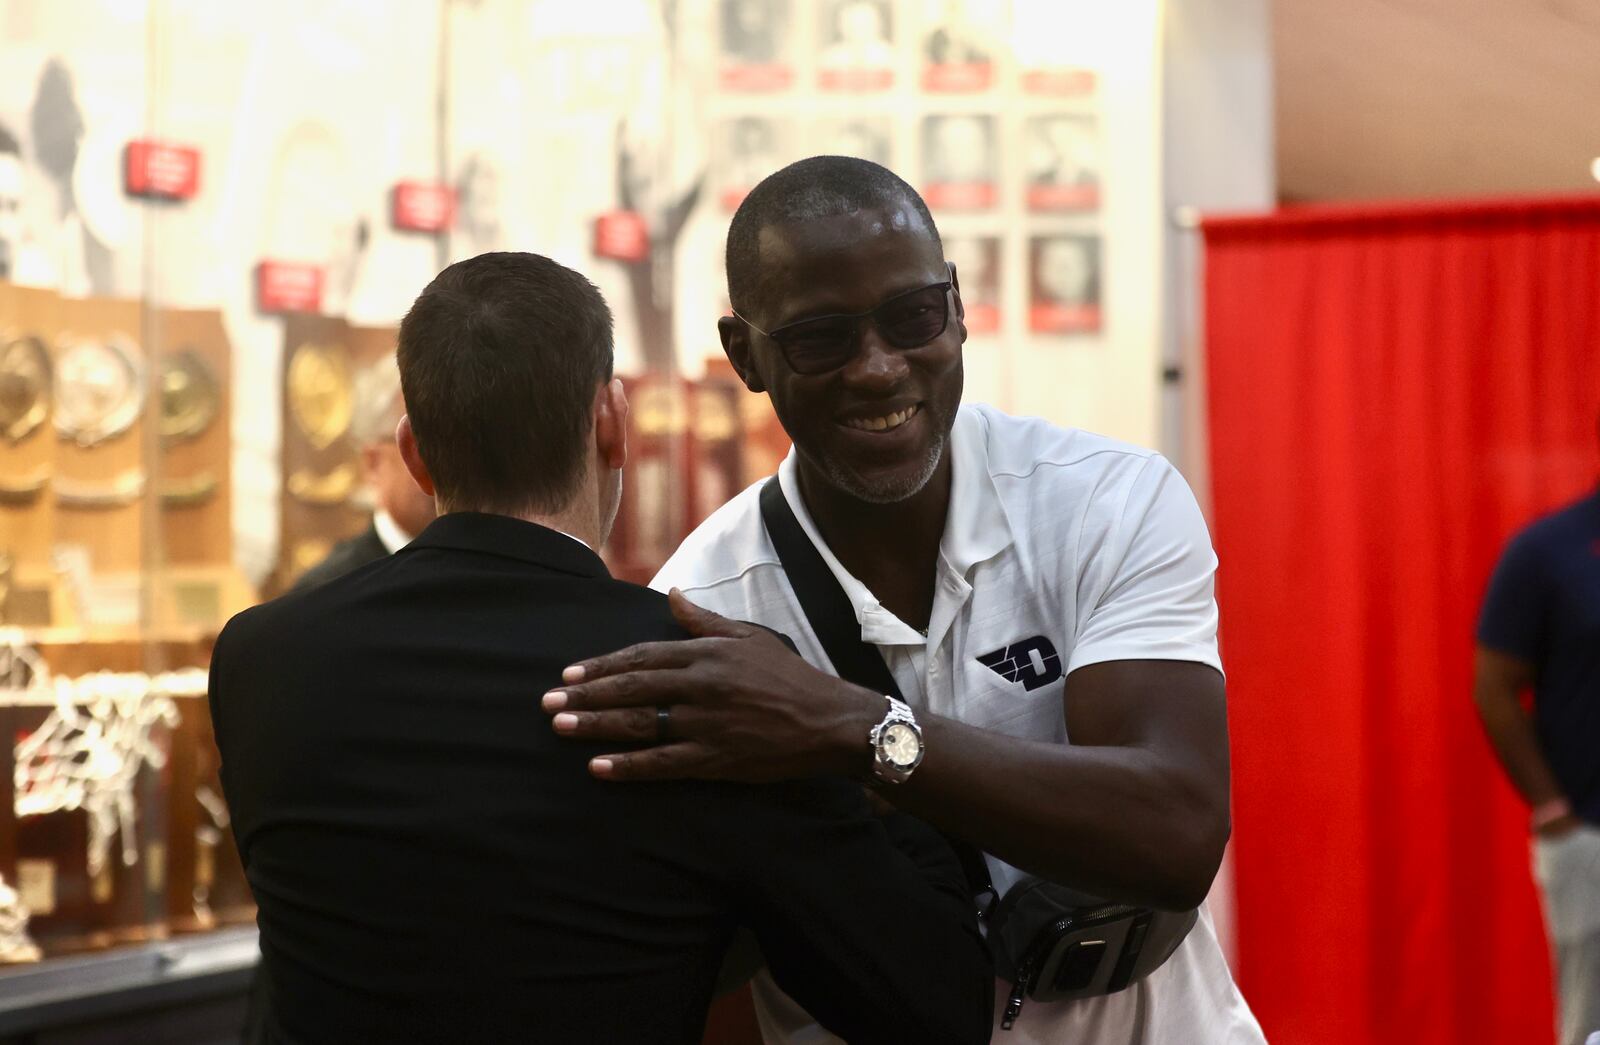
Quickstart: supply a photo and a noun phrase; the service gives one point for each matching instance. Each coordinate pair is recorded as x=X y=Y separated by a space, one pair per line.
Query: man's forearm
x=1134 y=809
x=1114 y=821
x=1511 y=733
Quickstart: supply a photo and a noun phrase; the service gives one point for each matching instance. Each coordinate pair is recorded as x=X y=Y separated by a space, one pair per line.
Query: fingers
x=700 y=621
x=626 y=725
x=646 y=656
x=670 y=762
x=633 y=689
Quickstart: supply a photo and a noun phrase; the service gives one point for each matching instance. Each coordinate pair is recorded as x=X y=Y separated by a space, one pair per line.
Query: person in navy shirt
x=1540 y=630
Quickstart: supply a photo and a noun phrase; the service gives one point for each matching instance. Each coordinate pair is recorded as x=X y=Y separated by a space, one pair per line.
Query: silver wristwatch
x=896 y=744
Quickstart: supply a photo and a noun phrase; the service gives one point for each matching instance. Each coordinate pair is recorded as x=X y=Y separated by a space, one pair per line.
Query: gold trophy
x=99 y=388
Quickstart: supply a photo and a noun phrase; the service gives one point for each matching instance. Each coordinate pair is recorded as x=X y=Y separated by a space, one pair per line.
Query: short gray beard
x=886 y=492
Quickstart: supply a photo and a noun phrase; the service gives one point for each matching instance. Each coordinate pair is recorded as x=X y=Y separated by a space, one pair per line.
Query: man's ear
x=736 y=346
x=611 y=424
x=955 y=294
x=406 y=439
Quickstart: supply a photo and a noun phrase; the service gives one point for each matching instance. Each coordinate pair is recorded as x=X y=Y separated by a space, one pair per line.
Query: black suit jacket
x=349 y=554
x=432 y=863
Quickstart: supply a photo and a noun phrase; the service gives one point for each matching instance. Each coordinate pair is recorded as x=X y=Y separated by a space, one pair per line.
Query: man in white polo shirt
x=1042 y=597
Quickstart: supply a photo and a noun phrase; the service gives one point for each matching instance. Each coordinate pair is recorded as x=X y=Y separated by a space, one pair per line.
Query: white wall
x=1217 y=155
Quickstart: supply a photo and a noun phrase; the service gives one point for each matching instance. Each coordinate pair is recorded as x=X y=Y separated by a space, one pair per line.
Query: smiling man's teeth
x=883 y=424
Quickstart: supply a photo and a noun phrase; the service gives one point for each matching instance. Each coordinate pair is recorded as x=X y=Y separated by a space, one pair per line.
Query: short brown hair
x=499 y=360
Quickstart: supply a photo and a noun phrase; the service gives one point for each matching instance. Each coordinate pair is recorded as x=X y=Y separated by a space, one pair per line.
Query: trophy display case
x=117 y=571
x=323 y=497
x=686 y=458
x=31 y=592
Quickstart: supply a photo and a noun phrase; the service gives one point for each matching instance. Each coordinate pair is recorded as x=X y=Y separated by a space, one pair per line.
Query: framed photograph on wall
x=977 y=262
x=957 y=45
x=1064 y=283
x=856 y=45
x=960 y=167
x=1062 y=152
x=868 y=137
x=754 y=41
x=749 y=148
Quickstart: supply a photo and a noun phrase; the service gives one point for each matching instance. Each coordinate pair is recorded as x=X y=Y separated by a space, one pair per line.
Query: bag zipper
x=1025 y=972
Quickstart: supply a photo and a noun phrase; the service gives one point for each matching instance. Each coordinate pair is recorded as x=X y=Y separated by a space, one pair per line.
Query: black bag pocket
x=1056 y=944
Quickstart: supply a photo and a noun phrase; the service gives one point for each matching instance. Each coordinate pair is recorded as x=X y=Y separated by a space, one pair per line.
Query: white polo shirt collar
x=976 y=529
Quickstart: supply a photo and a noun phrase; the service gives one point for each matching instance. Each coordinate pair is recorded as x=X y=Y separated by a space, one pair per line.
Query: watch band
x=899 y=711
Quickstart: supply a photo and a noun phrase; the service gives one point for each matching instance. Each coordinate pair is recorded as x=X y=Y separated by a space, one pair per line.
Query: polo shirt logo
x=1032 y=662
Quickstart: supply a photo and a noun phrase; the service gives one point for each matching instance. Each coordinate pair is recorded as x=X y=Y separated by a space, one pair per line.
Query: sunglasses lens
x=820 y=345
x=909 y=321
x=915 y=319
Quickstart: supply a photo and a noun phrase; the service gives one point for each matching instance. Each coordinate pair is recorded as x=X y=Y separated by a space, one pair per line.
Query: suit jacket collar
x=511 y=538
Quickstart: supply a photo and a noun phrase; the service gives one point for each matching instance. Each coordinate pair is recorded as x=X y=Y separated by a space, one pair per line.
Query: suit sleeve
x=869 y=924
x=215 y=702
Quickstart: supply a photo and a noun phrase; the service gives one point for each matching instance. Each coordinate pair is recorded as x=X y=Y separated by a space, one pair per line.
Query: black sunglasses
x=909 y=320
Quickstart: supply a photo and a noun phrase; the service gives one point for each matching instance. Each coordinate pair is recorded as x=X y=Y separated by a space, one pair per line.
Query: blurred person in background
x=400 y=510
x=1540 y=631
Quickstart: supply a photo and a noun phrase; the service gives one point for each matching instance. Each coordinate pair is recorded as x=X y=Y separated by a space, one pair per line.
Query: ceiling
x=1427 y=98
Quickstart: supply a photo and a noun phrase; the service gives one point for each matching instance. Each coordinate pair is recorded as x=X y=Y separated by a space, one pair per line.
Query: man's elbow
x=1496 y=701
x=1192 y=862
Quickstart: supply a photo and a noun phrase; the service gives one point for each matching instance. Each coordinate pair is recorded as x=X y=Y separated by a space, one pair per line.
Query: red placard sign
x=862 y=78
x=422 y=206
x=756 y=78
x=1059 y=82
x=982 y=318
x=967 y=195
x=1063 y=197
x=958 y=79
x=621 y=235
x=287 y=286
x=160 y=171
x=1063 y=319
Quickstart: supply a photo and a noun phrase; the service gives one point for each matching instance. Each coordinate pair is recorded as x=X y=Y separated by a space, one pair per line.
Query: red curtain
x=1391 y=392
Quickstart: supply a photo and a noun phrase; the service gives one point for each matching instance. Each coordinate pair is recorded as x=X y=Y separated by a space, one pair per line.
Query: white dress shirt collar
x=389 y=531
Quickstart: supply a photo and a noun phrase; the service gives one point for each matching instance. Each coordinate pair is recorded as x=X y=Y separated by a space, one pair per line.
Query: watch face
x=900 y=744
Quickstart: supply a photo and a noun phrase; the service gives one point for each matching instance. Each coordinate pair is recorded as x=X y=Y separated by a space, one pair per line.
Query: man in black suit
x=431 y=862
x=400 y=509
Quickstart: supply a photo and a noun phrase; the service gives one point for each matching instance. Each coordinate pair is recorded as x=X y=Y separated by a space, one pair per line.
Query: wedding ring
x=663 y=721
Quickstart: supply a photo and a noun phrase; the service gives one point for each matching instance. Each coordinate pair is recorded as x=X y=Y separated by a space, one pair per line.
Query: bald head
x=810 y=190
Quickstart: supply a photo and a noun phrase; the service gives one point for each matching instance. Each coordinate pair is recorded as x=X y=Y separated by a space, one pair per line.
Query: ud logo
x=1032 y=662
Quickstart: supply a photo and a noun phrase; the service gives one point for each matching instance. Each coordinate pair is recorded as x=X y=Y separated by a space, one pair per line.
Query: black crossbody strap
x=833 y=621
x=826 y=606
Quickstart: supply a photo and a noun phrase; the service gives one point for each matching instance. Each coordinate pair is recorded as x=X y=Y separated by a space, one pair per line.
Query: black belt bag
x=1051 y=943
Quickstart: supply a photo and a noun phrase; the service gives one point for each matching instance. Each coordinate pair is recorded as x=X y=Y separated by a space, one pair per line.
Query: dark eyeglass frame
x=857 y=319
